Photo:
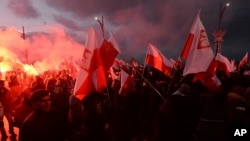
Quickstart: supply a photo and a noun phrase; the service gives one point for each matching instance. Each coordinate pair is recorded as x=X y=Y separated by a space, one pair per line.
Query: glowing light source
x=101 y=23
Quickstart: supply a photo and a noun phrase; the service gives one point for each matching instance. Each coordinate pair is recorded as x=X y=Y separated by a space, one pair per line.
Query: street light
x=222 y=10
x=219 y=34
x=101 y=23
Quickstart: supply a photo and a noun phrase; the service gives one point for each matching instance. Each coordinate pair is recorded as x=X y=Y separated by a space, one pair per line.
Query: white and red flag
x=95 y=65
x=210 y=81
x=243 y=61
x=222 y=63
x=126 y=83
x=157 y=60
x=197 y=50
x=108 y=54
x=209 y=78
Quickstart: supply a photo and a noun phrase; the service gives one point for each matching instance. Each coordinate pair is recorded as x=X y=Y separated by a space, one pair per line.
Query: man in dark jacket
x=43 y=124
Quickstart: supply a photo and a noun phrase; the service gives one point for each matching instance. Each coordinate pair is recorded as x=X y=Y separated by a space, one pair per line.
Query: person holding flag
x=98 y=56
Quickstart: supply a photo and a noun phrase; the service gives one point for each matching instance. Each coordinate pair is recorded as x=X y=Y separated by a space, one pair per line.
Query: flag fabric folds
x=98 y=57
x=157 y=60
x=210 y=81
x=209 y=78
x=221 y=63
x=197 y=50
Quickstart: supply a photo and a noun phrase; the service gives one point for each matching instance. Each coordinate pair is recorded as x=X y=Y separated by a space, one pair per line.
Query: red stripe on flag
x=188 y=44
x=157 y=63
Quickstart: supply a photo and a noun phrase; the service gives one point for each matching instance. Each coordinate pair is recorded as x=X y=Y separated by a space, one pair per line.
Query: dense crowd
x=44 y=108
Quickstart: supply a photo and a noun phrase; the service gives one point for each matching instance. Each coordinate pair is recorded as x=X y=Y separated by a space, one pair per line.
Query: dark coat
x=178 y=118
x=42 y=126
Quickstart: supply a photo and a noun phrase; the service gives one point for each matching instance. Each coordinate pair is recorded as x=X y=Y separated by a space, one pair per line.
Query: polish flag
x=222 y=63
x=243 y=61
x=108 y=53
x=94 y=65
x=157 y=60
x=126 y=83
x=197 y=50
x=210 y=81
x=209 y=78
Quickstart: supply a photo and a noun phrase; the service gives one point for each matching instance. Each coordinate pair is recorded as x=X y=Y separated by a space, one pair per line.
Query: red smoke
x=45 y=51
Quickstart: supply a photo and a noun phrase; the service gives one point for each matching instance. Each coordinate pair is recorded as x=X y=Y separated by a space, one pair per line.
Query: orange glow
x=29 y=69
x=39 y=52
x=5 y=66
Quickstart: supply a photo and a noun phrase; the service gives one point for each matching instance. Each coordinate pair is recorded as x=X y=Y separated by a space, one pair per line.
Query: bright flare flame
x=29 y=69
x=5 y=66
x=228 y=4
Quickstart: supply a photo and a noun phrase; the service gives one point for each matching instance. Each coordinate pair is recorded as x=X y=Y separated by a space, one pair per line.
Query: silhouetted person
x=7 y=102
x=43 y=124
x=178 y=116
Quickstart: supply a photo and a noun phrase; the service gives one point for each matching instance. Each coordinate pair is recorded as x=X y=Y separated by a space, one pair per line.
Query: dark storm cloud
x=164 y=23
x=68 y=23
x=23 y=8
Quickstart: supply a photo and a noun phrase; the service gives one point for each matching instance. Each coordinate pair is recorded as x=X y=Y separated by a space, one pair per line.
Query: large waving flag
x=98 y=57
x=197 y=50
x=243 y=61
x=108 y=54
x=157 y=60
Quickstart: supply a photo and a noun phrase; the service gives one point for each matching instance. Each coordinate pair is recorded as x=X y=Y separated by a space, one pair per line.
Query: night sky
x=134 y=23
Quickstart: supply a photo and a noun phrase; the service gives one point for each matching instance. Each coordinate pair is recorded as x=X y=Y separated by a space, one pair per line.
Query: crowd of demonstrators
x=225 y=108
x=156 y=108
x=16 y=89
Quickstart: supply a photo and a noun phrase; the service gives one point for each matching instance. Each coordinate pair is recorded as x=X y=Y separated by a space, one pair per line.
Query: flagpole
x=171 y=80
x=101 y=23
x=152 y=86
x=147 y=81
x=144 y=65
